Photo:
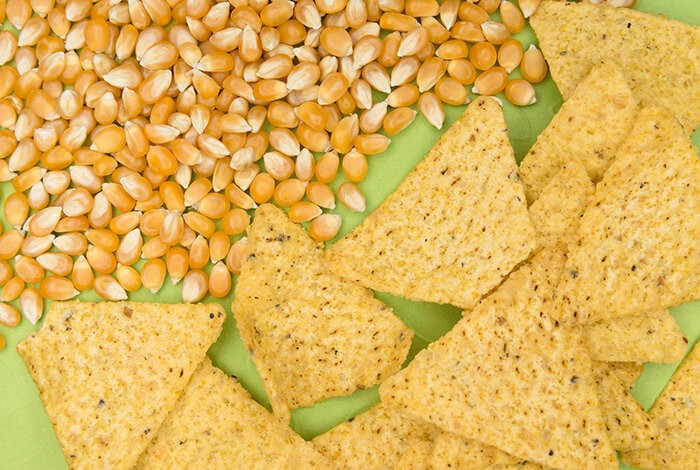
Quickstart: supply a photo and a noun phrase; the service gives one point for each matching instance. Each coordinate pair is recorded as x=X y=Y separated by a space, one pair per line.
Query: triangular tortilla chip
x=217 y=424
x=108 y=373
x=454 y=228
x=451 y=451
x=659 y=56
x=509 y=376
x=637 y=247
x=312 y=335
x=588 y=129
x=649 y=337
x=629 y=427
x=557 y=212
x=677 y=413
x=376 y=438
x=627 y=372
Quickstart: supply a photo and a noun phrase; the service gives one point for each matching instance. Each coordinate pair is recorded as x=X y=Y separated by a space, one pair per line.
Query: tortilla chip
x=109 y=373
x=627 y=372
x=312 y=335
x=677 y=413
x=629 y=426
x=636 y=250
x=451 y=451
x=417 y=457
x=454 y=228
x=509 y=376
x=650 y=337
x=376 y=438
x=588 y=129
x=557 y=212
x=659 y=56
x=217 y=424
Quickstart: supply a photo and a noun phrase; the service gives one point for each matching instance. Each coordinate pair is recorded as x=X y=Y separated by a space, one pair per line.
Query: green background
x=27 y=440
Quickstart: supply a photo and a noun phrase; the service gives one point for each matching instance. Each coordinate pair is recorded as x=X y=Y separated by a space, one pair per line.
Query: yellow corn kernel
x=355 y=166
x=153 y=274
x=324 y=227
x=154 y=247
x=200 y=224
x=289 y=192
x=491 y=81
x=9 y=317
x=56 y=288
x=321 y=195
x=177 y=261
x=371 y=144
x=397 y=120
x=520 y=92
x=533 y=66
x=199 y=252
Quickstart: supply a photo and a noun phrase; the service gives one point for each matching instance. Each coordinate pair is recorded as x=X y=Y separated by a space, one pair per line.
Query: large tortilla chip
x=629 y=427
x=451 y=451
x=649 y=337
x=216 y=424
x=677 y=413
x=312 y=335
x=637 y=246
x=588 y=129
x=417 y=457
x=108 y=373
x=376 y=438
x=454 y=228
x=557 y=212
x=509 y=376
x=659 y=56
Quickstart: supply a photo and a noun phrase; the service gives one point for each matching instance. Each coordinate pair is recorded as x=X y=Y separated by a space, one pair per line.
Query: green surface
x=28 y=442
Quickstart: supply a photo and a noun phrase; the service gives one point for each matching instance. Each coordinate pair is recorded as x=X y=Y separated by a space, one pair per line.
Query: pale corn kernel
x=44 y=222
x=220 y=280
x=129 y=248
x=9 y=317
x=432 y=109
x=73 y=244
x=533 y=66
x=413 y=42
x=377 y=76
x=56 y=288
x=33 y=246
x=177 y=263
x=194 y=286
x=371 y=120
x=28 y=269
x=396 y=121
x=368 y=49
x=324 y=227
x=79 y=202
x=404 y=71
x=59 y=264
x=351 y=197
x=108 y=288
x=32 y=305
x=354 y=166
x=321 y=195
x=520 y=92
x=234 y=258
x=12 y=290
x=289 y=191
x=495 y=32
x=468 y=31
x=529 y=7
x=491 y=81
x=38 y=198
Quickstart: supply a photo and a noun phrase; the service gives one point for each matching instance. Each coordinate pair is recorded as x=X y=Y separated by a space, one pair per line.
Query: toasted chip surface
x=587 y=129
x=509 y=376
x=418 y=457
x=627 y=372
x=217 y=424
x=636 y=250
x=312 y=335
x=456 y=225
x=649 y=337
x=557 y=212
x=108 y=373
x=451 y=451
x=658 y=55
x=377 y=438
x=628 y=425
x=677 y=414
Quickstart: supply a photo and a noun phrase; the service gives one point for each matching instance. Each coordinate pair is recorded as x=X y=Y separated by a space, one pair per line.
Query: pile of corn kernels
x=151 y=129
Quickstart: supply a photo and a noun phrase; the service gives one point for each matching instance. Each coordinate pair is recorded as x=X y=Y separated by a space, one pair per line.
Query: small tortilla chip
x=312 y=335
x=627 y=372
x=677 y=413
x=557 y=212
x=636 y=250
x=376 y=438
x=217 y=424
x=588 y=129
x=454 y=228
x=629 y=426
x=509 y=376
x=659 y=56
x=108 y=373
x=451 y=451
x=649 y=337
